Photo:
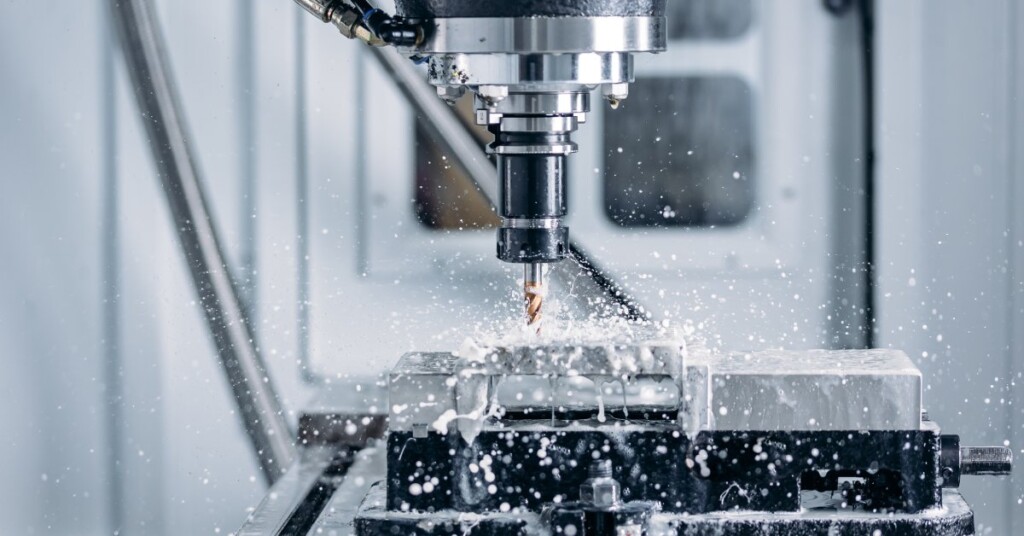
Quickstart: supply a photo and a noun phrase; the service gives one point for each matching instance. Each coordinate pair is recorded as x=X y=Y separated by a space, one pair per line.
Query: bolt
x=986 y=460
x=600 y=469
x=451 y=94
x=600 y=490
x=492 y=95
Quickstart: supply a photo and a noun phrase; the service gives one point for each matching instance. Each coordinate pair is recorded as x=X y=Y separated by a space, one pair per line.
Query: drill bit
x=533 y=289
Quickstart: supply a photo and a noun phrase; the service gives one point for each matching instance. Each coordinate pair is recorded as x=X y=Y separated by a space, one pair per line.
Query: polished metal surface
x=856 y=390
x=541 y=73
x=532 y=223
x=435 y=390
x=546 y=149
x=545 y=35
x=533 y=273
x=806 y=390
x=320 y=9
x=997 y=461
x=558 y=103
x=259 y=409
x=555 y=124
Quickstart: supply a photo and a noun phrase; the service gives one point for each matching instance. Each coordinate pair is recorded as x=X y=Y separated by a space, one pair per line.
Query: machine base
x=955 y=518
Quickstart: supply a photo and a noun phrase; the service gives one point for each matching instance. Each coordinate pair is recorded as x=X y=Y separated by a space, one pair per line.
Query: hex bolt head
x=451 y=94
x=600 y=490
x=615 y=93
x=492 y=95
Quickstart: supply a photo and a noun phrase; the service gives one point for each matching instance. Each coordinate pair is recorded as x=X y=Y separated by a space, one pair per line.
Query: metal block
x=646 y=353
x=812 y=390
x=422 y=392
x=443 y=392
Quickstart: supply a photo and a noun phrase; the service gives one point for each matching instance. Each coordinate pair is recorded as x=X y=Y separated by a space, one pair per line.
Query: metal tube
x=264 y=421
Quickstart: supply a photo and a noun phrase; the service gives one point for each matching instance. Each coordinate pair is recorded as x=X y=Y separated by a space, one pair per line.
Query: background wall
x=115 y=412
x=950 y=183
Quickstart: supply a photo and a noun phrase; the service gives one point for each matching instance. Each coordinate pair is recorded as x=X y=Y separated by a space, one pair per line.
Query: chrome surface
x=562 y=103
x=556 y=124
x=996 y=461
x=805 y=390
x=549 y=149
x=259 y=409
x=532 y=223
x=794 y=391
x=542 y=73
x=424 y=388
x=546 y=35
x=533 y=273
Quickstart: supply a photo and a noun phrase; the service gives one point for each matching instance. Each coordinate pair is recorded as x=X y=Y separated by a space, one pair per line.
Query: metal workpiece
x=144 y=51
x=545 y=35
x=643 y=352
x=807 y=390
x=320 y=9
x=441 y=392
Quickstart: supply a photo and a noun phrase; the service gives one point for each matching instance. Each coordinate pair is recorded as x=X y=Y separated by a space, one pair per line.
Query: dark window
x=680 y=152
x=708 y=19
x=446 y=198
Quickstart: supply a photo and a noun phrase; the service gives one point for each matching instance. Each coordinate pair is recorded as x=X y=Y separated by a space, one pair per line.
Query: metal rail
x=143 y=49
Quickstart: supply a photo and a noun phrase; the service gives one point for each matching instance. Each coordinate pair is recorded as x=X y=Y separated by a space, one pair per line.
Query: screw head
x=600 y=490
x=492 y=94
x=451 y=94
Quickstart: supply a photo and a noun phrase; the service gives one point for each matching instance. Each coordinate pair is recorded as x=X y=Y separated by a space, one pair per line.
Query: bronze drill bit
x=533 y=289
